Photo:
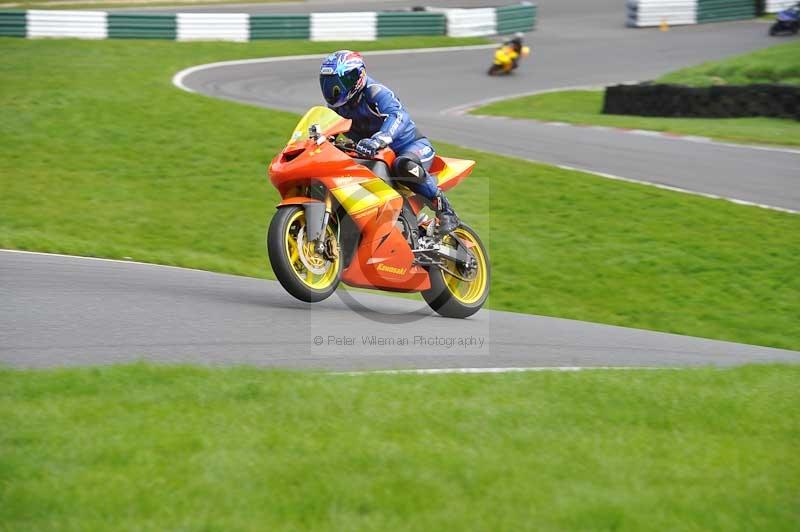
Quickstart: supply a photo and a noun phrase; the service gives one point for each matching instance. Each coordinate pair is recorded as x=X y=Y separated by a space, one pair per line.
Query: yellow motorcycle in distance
x=506 y=58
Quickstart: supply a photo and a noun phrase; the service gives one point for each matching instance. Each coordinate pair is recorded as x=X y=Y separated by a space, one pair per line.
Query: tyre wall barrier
x=395 y=24
x=641 y=13
x=720 y=10
x=79 y=24
x=361 y=26
x=655 y=12
x=131 y=26
x=356 y=26
x=773 y=6
x=719 y=101
x=13 y=24
x=213 y=27
x=511 y=19
x=488 y=21
x=280 y=27
x=471 y=22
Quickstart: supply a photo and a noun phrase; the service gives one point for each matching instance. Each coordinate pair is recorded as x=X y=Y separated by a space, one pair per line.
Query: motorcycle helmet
x=516 y=41
x=342 y=76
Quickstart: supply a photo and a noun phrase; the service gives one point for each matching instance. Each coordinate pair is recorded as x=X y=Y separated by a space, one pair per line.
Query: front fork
x=318 y=214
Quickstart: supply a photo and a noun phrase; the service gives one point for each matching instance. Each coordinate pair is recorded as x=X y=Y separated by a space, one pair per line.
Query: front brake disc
x=315 y=263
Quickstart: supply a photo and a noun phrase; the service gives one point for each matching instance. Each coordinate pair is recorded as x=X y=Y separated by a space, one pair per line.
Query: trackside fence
x=719 y=101
x=773 y=6
x=719 y=10
x=125 y=26
x=351 y=26
x=641 y=13
x=397 y=24
x=511 y=19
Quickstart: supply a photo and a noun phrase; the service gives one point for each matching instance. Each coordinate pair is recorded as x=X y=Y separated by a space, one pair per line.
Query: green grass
x=586 y=107
x=178 y=448
x=101 y=156
x=778 y=64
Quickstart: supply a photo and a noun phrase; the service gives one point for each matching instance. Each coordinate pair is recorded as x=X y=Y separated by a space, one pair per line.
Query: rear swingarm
x=433 y=252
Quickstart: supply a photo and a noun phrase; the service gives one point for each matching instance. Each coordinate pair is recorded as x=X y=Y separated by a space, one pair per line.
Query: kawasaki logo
x=391 y=269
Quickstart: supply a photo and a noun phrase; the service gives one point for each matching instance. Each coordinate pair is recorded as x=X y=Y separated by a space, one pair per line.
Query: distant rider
x=380 y=120
x=514 y=48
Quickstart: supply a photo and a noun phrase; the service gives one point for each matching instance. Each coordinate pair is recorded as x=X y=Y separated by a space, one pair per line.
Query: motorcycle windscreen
x=328 y=121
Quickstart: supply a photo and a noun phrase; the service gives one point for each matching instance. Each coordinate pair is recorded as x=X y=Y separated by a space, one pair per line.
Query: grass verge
x=101 y=156
x=585 y=107
x=777 y=64
x=179 y=448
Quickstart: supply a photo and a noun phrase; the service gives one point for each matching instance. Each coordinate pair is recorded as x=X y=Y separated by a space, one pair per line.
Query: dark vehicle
x=787 y=21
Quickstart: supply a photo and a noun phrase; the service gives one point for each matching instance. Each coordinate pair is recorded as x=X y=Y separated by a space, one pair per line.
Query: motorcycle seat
x=379 y=168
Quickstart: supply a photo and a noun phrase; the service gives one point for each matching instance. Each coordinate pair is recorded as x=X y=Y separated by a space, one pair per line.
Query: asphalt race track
x=569 y=50
x=71 y=311
x=57 y=310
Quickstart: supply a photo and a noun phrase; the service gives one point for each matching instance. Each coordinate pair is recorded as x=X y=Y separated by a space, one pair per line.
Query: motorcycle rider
x=514 y=49
x=380 y=120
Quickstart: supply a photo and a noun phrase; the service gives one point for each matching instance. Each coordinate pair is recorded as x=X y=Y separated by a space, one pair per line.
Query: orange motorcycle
x=343 y=218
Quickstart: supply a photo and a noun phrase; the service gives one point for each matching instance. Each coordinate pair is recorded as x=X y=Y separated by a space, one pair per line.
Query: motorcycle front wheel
x=304 y=273
x=453 y=296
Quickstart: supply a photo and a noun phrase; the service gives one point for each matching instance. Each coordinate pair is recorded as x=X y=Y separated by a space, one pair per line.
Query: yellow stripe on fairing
x=359 y=197
x=452 y=169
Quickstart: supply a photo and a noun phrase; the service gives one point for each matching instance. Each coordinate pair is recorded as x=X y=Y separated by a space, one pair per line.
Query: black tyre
x=455 y=298
x=495 y=70
x=305 y=274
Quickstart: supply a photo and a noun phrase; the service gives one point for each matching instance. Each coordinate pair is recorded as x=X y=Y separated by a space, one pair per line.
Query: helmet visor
x=332 y=89
x=350 y=78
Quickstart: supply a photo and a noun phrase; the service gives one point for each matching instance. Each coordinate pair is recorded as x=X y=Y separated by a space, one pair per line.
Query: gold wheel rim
x=294 y=228
x=468 y=292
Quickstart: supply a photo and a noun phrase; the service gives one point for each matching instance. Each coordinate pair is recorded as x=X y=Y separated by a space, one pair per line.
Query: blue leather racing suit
x=377 y=112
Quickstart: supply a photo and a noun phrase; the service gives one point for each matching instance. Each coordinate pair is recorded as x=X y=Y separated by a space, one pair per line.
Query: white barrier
x=655 y=12
x=476 y=22
x=471 y=22
x=80 y=24
x=356 y=26
x=773 y=6
x=213 y=27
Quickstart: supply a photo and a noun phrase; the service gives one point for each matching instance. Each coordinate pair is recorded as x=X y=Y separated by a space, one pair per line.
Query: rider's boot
x=448 y=220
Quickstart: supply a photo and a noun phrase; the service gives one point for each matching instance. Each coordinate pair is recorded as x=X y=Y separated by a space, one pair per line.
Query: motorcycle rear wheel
x=452 y=297
x=291 y=255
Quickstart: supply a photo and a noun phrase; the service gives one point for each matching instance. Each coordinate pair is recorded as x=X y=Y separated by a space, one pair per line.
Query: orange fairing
x=450 y=172
x=304 y=162
x=383 y=258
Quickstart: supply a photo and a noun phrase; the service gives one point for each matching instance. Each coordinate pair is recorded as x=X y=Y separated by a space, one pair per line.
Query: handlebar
x=348 y=146
x=343 y=144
